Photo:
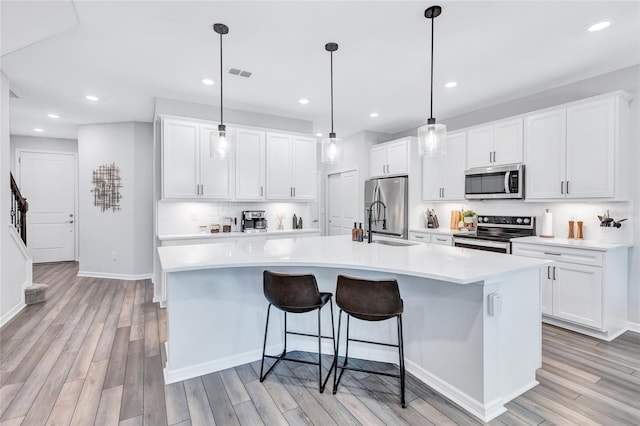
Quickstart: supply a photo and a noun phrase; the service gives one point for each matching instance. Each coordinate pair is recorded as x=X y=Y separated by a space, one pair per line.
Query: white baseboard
x=633 y=326
x=485 y=412
x=13 y=312
x=110 y=276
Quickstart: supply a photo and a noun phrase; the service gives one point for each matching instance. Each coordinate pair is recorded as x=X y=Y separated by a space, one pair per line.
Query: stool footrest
x=373 y=343
x=363 y=370
x=308 y=335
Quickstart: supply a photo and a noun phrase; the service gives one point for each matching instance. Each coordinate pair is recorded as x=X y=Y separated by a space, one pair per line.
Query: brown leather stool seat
x=369 y=300
x=296 y=294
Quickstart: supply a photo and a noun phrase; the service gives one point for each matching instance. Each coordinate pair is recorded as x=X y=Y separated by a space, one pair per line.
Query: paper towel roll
x=547 y=225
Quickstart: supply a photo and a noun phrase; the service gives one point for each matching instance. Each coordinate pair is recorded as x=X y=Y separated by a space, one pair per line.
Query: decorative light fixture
x=221 y=144
x=432 y=138
x=331 y=150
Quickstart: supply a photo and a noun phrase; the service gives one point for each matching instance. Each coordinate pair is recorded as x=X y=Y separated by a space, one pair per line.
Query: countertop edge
x=574 y=244
x=223 y=235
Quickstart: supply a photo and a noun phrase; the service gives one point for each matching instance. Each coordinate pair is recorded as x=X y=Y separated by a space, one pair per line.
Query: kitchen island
x=472 y=327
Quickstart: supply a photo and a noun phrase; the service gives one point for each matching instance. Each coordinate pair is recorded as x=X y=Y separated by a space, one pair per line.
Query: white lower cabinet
x=585 y=290
x=432 y=237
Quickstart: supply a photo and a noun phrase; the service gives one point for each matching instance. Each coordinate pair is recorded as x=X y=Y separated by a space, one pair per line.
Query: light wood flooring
x=92 y=354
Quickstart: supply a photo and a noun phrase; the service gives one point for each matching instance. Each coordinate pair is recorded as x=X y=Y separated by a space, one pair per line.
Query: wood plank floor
x=92 y=354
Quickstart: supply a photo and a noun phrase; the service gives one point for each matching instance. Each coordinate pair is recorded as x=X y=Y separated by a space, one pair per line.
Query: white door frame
x=326 y=192
x=76 y=219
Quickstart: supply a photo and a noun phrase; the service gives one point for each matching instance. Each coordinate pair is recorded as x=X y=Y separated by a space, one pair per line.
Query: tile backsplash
x=186 y=217
x=562 y=213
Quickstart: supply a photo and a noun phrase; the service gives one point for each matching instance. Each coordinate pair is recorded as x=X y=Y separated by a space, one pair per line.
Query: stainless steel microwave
x=494 y=182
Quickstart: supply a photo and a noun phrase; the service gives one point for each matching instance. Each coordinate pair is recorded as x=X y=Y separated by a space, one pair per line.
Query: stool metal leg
x=320 y=387
x=401 y=363
x=264 y=344
x=337 y=350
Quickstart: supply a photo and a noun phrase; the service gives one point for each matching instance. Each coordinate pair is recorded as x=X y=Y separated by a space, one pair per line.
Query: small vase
x=468 y=219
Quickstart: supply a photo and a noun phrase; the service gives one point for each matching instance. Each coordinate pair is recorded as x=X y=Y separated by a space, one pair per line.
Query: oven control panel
x=527 y=222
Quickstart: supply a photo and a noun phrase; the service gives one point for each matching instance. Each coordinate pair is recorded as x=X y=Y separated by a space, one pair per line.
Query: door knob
x=69 y=221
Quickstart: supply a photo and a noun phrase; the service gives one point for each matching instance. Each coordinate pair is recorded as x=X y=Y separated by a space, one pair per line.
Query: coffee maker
x=254 y=221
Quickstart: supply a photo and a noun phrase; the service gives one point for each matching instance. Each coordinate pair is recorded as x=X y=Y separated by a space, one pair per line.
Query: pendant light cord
x=221 y=84
x=332 y=92
x=431 y=106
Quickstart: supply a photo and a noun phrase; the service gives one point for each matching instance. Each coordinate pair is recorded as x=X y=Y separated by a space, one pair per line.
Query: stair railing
x=19 y=208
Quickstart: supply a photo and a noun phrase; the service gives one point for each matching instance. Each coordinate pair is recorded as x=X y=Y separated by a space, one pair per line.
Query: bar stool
x=296 y=294
x=369 y=300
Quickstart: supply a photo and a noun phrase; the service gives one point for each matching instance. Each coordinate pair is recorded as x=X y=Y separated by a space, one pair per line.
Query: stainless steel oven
x=501 y=182
x=494 y=233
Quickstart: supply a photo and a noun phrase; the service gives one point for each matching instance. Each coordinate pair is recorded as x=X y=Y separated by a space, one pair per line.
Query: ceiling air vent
x=241 y=73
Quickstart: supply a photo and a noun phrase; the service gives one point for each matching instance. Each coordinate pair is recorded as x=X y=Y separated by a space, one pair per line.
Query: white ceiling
x=127 y=53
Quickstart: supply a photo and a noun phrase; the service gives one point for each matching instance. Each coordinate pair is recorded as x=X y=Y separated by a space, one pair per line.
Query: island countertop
x=453 y=264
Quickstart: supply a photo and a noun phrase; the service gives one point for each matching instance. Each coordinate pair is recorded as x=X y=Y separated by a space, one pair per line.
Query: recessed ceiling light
x=92 y=98
x=303 y=101
x=599 y=26
x=53 y=116
x=373 y=115
x=38 y=130
x=451 y=84
x=319 y=135
x=207 y=82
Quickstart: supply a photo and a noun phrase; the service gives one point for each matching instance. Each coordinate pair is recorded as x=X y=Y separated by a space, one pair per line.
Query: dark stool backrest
x=291 y=293
x=368 y=300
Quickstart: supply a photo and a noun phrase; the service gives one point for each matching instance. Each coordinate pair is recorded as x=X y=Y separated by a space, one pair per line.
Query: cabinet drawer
x=581 y=256
x=419 y=237
x=443 y=240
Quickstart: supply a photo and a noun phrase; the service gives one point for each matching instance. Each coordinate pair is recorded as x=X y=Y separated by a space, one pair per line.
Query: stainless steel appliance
x=494 y=233
x=385 y=200
x=254 y=221
x=494 y=182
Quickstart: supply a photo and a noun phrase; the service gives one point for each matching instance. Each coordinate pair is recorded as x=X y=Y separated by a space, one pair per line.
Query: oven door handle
x=507 y=175
x=481 y=243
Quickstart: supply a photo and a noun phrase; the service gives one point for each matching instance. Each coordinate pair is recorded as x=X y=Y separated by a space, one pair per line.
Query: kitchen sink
x=393 y=243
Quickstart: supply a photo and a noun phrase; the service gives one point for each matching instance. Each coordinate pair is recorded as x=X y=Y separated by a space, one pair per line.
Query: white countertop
x=269 y=232
x=571 y=243
x=453 y=264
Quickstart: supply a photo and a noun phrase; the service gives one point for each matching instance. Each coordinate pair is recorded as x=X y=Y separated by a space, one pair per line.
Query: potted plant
x=468 y=216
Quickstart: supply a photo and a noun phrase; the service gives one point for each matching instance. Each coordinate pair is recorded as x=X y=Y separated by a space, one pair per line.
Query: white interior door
x=47 y=181
x=343 y=202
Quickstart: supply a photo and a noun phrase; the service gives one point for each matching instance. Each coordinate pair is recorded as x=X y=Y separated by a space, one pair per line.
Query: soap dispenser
x=295 y=222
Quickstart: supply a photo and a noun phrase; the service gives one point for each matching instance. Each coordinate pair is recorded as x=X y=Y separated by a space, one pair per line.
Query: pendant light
x=331 y=149
x=221 y=143
x=432 y=138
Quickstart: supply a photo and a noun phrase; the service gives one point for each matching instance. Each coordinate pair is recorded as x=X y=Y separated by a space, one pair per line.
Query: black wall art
x=106 y=187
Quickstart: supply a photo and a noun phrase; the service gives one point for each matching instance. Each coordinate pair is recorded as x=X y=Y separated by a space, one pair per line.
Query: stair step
x=35 y=293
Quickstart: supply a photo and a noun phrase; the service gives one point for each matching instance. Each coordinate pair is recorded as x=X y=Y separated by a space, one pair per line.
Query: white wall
x=186 y=217
x=231 y=116
x=12 y=265
x=40 y=144
x=120 y=243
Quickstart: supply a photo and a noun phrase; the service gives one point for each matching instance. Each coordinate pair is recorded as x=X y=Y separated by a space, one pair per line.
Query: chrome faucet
x=370 y=213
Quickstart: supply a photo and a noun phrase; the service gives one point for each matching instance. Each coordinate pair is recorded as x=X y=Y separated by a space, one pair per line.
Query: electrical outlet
x=194 y=217
x=114 y=255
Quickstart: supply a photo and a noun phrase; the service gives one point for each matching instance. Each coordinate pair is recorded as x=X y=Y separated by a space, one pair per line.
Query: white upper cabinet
x=545 y=154
x=495 y=144
x=389 y=158
x=443 y=176
x=577 y=152
x=250 y=165
x=216 y=175
x=188 y=169
x=590 y=149
x=291 y=167
x=180 y=159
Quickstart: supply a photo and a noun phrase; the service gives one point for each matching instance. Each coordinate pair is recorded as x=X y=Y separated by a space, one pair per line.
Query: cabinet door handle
x=494 y=156
x=419 y=237
x=567 y=187
x=291 y=191
x=562 y=187
x=261 y=191
x=554 y=273
x=442 y=192
x=294 y=191
x=548 y=272
x=551 y=253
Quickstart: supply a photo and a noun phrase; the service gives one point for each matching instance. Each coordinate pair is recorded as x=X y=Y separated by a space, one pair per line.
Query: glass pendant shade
x=331 y=151
x=432 y=139
x=221 y=143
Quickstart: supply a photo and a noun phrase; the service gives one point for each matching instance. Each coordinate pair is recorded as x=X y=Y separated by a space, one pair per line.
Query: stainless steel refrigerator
x=386 y=200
